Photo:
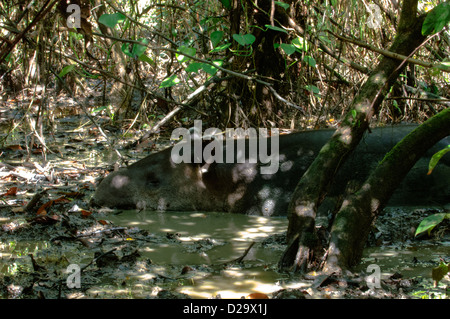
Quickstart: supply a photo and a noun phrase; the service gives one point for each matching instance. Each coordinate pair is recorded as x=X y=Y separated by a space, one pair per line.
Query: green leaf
x=314 y=89
x=244 y=39
x=310 y=60
x=221 y=47
x=436 y=19
x=146 y=58
x=439 y=272
x=288 y=48
x=135 y=50
x=211 y=70
x=110 y=20
x=285 y=6
x=170 y=81
x=435 y=159
x=185 y=51
x=216 y=37
x=300 y=44
x=268 y=26
x=139 y=49
x=66 y=69
x=428 y=223
x=194 y=67
x=226 y=3
x=101 y=108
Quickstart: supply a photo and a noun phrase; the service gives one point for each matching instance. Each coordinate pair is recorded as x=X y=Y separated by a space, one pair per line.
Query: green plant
x=428 y=223
x=439 y=272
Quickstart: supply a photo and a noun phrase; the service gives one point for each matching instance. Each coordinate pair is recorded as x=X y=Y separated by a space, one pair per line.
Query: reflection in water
x=213 y=239
x=231 y=234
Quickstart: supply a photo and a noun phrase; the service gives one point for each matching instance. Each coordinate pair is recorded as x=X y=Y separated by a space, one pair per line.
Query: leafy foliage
x=428 y=223
x=436 y=19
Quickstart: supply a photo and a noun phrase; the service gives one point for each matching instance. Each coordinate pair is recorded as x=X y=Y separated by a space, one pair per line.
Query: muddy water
x=208 y=244
x=229 y=236
x=214 y=239
x=410 y=260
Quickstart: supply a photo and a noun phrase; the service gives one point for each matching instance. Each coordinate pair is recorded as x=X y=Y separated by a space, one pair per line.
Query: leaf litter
x=47 y=225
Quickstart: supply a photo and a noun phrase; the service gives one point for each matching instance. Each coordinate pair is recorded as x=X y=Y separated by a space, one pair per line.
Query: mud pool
x=203 y=255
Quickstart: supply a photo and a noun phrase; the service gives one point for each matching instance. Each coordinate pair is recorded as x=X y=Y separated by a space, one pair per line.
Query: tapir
x=159 y=182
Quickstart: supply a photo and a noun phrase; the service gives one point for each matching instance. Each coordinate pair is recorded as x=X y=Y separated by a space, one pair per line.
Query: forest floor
x=49 y=232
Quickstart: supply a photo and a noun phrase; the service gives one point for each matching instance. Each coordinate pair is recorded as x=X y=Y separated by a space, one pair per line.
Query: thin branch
x=390 y=54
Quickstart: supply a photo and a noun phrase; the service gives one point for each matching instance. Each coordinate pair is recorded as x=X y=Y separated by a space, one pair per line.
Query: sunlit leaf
x=211 y=70
x=111 y=20
x=428 y=223
x=170 y=81
x=101 y=108
x=435 y=159
x=185 y=51
x=146 y=58
x=436 y=19
x=66 y=69
x=194 y=67
x=221 y=47
x=300 y=44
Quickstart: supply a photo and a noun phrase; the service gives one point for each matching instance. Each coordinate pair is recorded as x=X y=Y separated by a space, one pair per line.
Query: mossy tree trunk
x=351 y=227
x=312 y=187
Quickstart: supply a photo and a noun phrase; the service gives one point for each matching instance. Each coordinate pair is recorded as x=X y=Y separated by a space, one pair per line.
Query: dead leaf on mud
x=11 y=192
x=43 y=209
x=45 y=220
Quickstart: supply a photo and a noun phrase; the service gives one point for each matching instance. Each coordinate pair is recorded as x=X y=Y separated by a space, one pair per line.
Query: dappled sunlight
x=235 y=283
x=345 y=135
x=210 y=239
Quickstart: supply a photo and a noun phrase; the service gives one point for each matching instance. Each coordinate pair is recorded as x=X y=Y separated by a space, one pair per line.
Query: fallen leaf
x=11 y=192
x=44 y=220
x=43 y=209
x=85 y=213
x=15 y=147
x=103 y=222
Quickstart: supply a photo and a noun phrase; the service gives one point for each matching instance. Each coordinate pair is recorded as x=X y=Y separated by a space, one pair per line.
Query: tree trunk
x=312 y=187
x=352 y=224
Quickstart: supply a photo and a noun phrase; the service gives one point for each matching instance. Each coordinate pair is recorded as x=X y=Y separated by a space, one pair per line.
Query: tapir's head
x=154 y=183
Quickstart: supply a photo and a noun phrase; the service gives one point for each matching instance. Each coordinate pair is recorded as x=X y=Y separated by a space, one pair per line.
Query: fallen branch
x=239 y=259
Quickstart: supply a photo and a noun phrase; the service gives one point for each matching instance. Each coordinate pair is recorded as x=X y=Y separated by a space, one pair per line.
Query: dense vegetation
x=287 y=64
x=147 y=67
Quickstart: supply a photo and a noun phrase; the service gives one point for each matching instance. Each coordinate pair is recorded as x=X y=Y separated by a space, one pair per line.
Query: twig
x=96 y=258
x=34 y=201
x=239 y=259
x=390 y=54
